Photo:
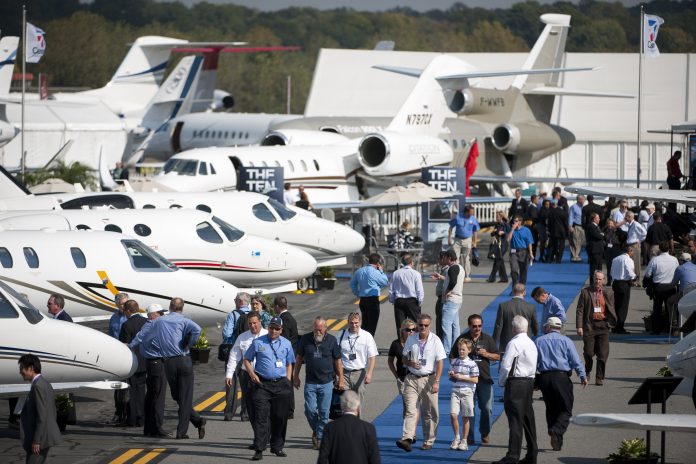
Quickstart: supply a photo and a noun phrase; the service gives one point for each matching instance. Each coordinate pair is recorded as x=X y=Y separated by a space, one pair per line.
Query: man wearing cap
x=118 y=318
x=622 y=278
x=269 y=361
x=521 y=254
x=358 y=355
x=555 y=363
x=465 y=227
x=155 y=378
x=236 y=357
x=129 y=330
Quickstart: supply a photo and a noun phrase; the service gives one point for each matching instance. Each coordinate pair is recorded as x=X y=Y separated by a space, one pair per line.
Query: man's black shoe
x=527 y=460
x=280 y=453
x=404 y=445
x=228 y=417
x=258 y=455
x=244 y=417
x=201 y=429
x=182 y=437
x=159 y=435
x=252 y=447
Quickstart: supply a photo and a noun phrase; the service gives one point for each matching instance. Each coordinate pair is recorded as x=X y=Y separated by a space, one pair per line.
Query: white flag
x=36 y=43
x=651 y=24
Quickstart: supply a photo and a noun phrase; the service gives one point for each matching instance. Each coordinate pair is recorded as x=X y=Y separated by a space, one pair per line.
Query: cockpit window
x=6 y=309
x=31 y=313
x=203 y=169
x=145 y=259
x=207 y=233
x=183 y=167
x=232 y=233
x=283 y=211
x=262 y=212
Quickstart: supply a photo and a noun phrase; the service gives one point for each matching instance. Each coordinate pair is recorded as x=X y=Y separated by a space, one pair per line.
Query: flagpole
x=640 y=87
x=24 y=74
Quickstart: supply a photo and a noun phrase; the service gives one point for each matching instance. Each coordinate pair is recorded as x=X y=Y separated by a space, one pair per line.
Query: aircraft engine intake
x=301 y=137
x=7 y=133
x=390 y=154
x=531 y=138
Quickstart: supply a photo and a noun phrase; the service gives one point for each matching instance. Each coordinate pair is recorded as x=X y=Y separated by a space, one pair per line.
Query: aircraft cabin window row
x=220 y=134
x=291 y=165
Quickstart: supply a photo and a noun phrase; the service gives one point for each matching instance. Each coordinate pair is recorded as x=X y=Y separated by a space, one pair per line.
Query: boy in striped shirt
x=464 y=376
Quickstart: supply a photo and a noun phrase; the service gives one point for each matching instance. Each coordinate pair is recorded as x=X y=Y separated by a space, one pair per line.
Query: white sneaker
x=463 y=446
x=467 y=279
x=456 y=443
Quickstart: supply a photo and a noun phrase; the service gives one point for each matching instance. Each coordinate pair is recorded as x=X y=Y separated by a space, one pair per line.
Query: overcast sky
x=378 y=5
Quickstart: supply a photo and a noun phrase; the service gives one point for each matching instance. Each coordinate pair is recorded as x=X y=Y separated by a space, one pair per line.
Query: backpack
x=240 y=321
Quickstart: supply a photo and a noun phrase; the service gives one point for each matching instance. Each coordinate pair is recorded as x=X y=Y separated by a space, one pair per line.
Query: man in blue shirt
x=551 y=306
x=521 y=255
x=366 y=284
x=115 y=322
x=269 y=361
x=465 y=229
x=555 y=363
x=235 y=324
x=175 y=334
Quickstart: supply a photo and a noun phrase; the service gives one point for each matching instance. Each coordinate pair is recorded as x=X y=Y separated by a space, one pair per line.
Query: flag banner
x=651 y=24
x=471 y=164
x=36 y=43
x=436 y=214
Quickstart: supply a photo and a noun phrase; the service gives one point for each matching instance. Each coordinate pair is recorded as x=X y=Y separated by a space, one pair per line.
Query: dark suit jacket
x=289 y=328
x=129 y=330
x=587 y=211
x=39 y=417
x=517 y=207
x=63 y=316
x=502 y=333
x=583 y=314
x=557 y=223
x=595 y=239
x=349 y=440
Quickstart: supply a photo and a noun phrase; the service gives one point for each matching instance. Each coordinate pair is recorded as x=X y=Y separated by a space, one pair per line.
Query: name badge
x=512 y=250
x=317 y=354
x=352 y=356
x=597 y=309
x=422 y=362
x=279 y=363
x=610 y=245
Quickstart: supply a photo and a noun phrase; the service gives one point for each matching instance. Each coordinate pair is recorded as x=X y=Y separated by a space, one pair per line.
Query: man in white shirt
x=618 y=215
x=289 y=198
x=358 y=355
x=660 y=271
x=406 y=292
x=423 y=355
x=623 y=277
x=636 y=234
x=241 y=344
x=517 y=371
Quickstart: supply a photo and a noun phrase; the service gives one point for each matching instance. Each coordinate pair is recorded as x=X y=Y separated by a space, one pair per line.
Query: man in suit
x=136 y=406
x=502 y=333
x=289 y=332
x=39 y=427
x=55 y=305
x=349 y=439
x=557 y=224
x=595 y=244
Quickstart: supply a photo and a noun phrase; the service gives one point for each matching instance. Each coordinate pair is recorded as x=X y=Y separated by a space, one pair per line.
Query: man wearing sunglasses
x=485 y=350
x=423 y=355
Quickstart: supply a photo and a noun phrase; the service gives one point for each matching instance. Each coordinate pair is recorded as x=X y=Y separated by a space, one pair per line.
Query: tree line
x=87 y=41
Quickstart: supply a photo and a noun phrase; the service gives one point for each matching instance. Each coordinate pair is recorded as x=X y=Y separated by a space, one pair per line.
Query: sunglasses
x=412 y=329
x=273 y=327
x=423 y=325
x=475 y=326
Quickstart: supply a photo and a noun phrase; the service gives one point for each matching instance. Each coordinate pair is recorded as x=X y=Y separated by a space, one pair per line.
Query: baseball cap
x=276 y=321
x=554 y=322
x=685 y=257
x=156 y=308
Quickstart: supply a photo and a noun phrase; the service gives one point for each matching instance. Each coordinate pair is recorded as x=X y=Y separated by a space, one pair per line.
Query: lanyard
x=275 y=353
x=421 y=346
x=351 y=345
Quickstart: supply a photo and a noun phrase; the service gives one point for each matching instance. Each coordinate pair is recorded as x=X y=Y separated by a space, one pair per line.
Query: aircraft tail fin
x=146 y=61
x=11 y=187
x=8 y=54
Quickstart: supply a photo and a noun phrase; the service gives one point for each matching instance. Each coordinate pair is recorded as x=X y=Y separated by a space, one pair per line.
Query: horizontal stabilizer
x=576 y=93
x=460 y=80
x=412 y=72
x=665 y=422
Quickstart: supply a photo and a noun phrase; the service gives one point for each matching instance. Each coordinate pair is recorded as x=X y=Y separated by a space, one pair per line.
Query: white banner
x=651 y=24
x=36 y=43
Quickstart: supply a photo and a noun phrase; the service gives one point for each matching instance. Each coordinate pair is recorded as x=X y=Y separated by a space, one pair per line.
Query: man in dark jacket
x=39 y=427
x=557 y=224
x=348 y=439
x=589 y=208
x=502 y=333
x=595 y=244
x=55 y=306
x=135 y=416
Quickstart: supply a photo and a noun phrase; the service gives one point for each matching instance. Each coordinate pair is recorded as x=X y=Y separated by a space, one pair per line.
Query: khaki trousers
x=462 y=246
x=420 y=390
x=636 y=259
x=576 y=240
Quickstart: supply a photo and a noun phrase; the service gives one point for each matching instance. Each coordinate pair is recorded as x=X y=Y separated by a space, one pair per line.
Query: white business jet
x=190 y=239
x=72 y=356
x=88 y=268
x=8 y=54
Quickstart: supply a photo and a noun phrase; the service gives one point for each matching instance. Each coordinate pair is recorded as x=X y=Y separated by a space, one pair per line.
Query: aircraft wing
x=687 y=197
x=16 y=389
x=663 y=422
x=547 y=90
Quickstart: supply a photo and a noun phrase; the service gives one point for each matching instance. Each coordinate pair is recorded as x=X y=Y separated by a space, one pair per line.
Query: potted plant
x=327 y=277
x=632 y=451
x=64 y=405
x=200 y=351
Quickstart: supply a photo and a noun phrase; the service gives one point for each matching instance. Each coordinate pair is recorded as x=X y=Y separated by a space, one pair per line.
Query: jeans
x=450 y=323
x=484 y=397
x=317 y=399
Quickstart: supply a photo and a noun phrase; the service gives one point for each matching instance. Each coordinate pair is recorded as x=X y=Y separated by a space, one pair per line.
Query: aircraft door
x=176 y=137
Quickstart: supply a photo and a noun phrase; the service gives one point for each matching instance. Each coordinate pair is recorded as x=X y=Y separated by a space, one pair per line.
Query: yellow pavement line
x=221 y=407
x=125 y=457
x=341 y=324
x=150 y=456
x=329 y=322
x=204 y=404
x=383 y=297
x=356 y=301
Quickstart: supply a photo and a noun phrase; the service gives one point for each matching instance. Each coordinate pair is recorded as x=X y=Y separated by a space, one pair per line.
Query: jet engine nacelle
x=7 y=133
x=531 y=138
x=473 y=101
x=222 y=100
x=389 y=154
x=301 y=137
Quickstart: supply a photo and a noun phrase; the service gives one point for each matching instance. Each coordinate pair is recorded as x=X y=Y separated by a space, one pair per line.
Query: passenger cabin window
x=316 y=164
x=292 y=166
x=175 y=206
x=78 y=257
x=31 y=257
x=113 y=228
x=304 y=165
x=82 y=227
x=142 y=230
x=5 y=258
x=262 y=212
x=232 y=233
x=207 y=233
x=283 y=211
x=205 y=208
x=149 y=207
x=145 y=259
x=6 y=309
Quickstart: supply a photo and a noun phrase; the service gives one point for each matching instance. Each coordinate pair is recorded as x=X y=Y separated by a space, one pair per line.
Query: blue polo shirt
x=174 y=334
x=367 y=281
x=464 y=227
x=319 y=358
x=115 y=322
x=557 y=353
x=521 y=239
x=553 y=308
x=266 y=352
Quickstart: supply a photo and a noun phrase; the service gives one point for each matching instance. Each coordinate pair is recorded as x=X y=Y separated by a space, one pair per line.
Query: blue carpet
x=564 y=280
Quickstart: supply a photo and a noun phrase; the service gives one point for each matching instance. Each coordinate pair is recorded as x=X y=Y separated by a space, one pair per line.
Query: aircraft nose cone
x=120 y=360
x=348 y=241
x=301 y=263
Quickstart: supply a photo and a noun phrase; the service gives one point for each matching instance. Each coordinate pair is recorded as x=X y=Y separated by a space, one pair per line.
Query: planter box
x=326 y=283
x=652 y=460
x=200 y=355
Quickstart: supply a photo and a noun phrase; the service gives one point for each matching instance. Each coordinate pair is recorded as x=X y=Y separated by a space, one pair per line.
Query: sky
x=377 y=5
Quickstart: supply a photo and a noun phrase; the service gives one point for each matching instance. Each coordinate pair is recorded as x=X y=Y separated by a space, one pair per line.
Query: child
x=464 y=375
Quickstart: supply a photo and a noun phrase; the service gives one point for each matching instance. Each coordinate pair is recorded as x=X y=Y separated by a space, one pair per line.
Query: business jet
x=8 y=54
x=72 y=356
x=190 y=239
x=88 y=268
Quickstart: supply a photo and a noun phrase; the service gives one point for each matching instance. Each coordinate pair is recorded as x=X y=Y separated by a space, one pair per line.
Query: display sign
x=692 y=158
x=268 y=181
x=436 y=214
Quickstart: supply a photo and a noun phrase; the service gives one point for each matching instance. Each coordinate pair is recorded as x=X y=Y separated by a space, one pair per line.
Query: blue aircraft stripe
x=195 y=69
x=159 y=67
x=10 y=59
